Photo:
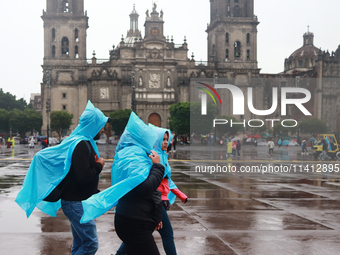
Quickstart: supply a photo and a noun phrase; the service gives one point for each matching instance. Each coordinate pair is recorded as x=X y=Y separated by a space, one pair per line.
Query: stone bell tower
x=232 y=34
x=64 y=66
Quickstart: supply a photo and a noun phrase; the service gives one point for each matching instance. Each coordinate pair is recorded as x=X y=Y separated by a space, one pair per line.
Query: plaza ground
x=294 y=212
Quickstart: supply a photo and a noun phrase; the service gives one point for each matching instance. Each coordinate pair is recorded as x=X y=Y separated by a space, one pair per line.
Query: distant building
x=151 y=73
x=35 y=101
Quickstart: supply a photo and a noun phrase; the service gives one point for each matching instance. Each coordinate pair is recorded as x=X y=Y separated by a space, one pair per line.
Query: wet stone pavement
x=296 y=212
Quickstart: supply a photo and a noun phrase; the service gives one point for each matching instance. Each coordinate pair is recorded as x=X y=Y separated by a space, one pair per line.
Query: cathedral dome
x=303 y=59
x=129 y=41
x=308 y=49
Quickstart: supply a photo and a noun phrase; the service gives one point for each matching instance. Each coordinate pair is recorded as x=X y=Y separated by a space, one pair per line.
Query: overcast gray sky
x=282 y=24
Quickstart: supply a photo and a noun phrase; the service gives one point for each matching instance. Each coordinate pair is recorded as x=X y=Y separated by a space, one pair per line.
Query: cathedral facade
x=149 y=73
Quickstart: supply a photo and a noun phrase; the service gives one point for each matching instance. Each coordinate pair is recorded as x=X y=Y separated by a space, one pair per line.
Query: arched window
x=248 y=54
x=236 y=11
x=226 y=54
x=64 y=46
x=237 y=49
x=227 y=38
x=53 y=34
x=248 y=38
x=76 y=36
x=53 y=51
x=65 y=6
x=76 y=54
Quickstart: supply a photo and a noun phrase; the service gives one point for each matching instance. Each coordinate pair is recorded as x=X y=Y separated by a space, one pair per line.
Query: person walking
x=65 y=175
x=304 y=147
x=229 y=150
x=238 y=148
x=174 y=143
x=169 y=192
x=324 y=150
x=271 y=147
x=13 y=142
x=43 y=144
x=9 y=142
x=136 y=173
x=233 y=147
x=279 y=143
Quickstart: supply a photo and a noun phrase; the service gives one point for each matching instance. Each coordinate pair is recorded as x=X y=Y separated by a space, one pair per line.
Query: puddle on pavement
x=257 y=221
x=227 y=204
x=282 y=243
x=222 y=204
x=213 y=193
x=307 y=204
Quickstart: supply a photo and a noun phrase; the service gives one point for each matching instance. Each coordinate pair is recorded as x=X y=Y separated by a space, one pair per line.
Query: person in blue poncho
x=66 y=174
x=168 y=189
x=139 y=211
x=325 y=148
x=135 y=177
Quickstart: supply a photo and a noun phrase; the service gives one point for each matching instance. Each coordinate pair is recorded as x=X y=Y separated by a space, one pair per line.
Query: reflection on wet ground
x=227 y=213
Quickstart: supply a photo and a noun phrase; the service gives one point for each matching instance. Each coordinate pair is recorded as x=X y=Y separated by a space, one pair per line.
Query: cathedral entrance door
x=155 y=119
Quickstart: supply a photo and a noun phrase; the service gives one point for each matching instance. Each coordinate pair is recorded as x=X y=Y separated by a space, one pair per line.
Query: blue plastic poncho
x=130 y=168
x=164 y=158
x=329 y=144
x=285 y=143
x=50 y=166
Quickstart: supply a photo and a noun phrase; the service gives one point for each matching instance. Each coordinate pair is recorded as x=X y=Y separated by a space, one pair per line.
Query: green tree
x=9 y=102
x=24 y=121
x=4 y=120
x=186 y=117
x=179 y=120
x=60 y=120
x=313 y=126
x=119 y=120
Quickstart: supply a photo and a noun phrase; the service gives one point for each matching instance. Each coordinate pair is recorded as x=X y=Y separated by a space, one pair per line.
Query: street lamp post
x=215 y=82
x=48 y=103
x=133 y=99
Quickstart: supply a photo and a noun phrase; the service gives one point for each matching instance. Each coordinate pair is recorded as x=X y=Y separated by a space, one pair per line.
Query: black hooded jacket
x=144 y=201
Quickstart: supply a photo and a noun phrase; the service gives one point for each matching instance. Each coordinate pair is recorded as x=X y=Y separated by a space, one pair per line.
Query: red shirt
x=165 y=190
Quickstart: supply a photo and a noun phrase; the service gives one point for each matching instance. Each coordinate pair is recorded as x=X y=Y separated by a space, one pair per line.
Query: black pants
x=137 y=235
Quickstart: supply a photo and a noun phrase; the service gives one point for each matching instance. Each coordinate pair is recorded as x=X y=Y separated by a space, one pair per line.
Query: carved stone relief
x=155 y=81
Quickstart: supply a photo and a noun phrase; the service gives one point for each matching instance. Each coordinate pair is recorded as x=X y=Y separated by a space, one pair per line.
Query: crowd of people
x=10 y=141
x=66 y=176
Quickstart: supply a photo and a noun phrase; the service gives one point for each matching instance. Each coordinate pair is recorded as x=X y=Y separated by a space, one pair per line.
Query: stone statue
x=168 y=82
x=140 y=81
x=147 y=13
x=161 y=14
x=154 y=7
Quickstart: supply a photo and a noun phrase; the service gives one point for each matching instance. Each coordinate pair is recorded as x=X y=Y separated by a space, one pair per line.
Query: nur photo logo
x=204 y=97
